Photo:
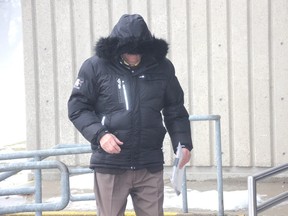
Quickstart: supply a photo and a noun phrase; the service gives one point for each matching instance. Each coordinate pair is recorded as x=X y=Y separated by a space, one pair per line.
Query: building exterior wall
x=230 y=58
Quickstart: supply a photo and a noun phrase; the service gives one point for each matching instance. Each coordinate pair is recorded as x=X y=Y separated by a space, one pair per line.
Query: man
x=117 y=104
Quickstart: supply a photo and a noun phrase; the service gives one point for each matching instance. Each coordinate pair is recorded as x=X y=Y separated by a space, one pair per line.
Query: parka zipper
x=125 y=95
x=129 y=103
x=136 y=120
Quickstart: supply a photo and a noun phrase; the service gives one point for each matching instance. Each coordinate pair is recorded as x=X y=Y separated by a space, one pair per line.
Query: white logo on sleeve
x=78 y=83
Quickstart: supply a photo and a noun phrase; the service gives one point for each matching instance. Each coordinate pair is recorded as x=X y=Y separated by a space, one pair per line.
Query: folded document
x=177 y=174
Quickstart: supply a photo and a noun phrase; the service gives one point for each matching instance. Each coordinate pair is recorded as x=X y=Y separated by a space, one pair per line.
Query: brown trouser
x=146 y=190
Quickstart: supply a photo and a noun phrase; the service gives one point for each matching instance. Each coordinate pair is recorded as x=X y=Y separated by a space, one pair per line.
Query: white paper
x=177 y=174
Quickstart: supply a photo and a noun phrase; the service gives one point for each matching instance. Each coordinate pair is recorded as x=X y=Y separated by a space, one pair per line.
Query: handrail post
x=252 y=202
x=184 y=193
x=219 y=167
x=38 y=186
x=215 y=118
x=253 y=207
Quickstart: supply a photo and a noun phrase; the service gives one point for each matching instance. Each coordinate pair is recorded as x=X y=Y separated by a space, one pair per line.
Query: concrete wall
x=230 y=57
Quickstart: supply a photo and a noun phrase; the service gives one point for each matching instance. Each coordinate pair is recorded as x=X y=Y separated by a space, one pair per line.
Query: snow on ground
x=207 y=200
x=233 y=200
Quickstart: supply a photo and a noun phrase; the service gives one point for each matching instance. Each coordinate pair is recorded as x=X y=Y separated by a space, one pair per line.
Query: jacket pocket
x=123 y=135
x=119 y=120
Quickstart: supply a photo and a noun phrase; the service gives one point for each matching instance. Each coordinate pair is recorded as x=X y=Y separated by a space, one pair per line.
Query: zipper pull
x=125 y=95
x=103 y=120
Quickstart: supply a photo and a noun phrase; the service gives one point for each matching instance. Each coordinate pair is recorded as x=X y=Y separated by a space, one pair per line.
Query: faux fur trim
x=112 y=47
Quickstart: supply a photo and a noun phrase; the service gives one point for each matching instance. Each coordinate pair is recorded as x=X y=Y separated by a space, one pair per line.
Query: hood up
x=131 y=35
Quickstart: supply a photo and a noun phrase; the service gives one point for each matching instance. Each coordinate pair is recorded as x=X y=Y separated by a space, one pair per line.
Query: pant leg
x=148 y=193
x=111 y=192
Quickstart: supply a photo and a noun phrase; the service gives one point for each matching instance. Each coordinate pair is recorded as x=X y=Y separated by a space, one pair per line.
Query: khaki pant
x=146 y=190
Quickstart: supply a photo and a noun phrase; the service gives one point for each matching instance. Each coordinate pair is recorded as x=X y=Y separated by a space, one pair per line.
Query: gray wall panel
x=229 y=56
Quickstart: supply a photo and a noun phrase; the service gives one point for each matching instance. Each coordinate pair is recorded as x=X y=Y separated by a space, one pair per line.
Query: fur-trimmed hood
x=131 y=35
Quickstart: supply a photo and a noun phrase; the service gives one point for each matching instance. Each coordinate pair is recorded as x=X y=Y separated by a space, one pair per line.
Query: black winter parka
x=131 y=103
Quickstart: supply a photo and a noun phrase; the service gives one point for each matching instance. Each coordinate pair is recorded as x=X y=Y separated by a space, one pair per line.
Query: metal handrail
x=61 y=149
x=218 y=154
x=35 y=162
x=253 y=207
x=52 y=206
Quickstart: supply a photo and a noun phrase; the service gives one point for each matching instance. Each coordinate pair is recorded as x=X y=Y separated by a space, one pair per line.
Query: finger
x=112 y=147
x=116 y=148
x=117 y=140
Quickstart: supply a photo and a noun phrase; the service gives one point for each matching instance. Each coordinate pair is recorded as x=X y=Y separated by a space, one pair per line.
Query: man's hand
x=110 y=143
x=186 y=157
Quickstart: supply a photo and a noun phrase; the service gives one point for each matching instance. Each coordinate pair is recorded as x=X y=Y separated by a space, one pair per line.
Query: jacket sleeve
x=176 y=117
x=81 y=104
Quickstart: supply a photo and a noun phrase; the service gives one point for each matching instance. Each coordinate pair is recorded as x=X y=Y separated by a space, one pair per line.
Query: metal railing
x=218 y=154
x=36 y=163
x=253 y=207
x=53 y=206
